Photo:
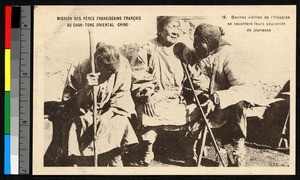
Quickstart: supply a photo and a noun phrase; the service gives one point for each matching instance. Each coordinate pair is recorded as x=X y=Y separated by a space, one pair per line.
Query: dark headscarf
x=109 y=56
x=212 y=35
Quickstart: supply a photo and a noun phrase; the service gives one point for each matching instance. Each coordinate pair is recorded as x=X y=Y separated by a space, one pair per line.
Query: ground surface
x=169 y=152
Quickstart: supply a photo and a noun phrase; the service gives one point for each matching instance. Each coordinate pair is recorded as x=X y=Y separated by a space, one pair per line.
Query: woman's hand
x=211 y=104
x=150 y=102
x=93 y=79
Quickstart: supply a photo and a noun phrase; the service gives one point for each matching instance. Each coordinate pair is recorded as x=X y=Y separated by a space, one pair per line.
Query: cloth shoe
x=116 y=161
x=148 y=158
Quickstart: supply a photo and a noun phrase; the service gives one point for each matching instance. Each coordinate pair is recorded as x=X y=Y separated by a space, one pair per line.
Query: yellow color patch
x=7 y=69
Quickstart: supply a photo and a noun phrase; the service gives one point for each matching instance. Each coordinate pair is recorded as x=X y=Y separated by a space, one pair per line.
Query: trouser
x=234 y=130
x=116 y=136
x=149 y=136
x=236 y=120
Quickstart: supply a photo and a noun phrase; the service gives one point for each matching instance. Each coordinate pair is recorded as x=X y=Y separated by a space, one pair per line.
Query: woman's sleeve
x=142 y=73
x=76 y=91
x=236 y=72
x=121 y=101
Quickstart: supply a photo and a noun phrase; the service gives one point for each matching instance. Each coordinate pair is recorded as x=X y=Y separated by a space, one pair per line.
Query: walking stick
x=204 y=132
x=203 y=141
x=178 y=49
x=94 y=100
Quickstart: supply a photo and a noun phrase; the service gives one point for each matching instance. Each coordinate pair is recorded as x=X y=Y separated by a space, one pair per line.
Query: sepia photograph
x=164 y=90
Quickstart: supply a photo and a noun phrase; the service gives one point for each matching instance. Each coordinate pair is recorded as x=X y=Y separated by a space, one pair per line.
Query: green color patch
x=7 y=113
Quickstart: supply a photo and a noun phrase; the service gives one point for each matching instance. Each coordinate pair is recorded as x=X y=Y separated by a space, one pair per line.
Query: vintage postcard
x=178 y=90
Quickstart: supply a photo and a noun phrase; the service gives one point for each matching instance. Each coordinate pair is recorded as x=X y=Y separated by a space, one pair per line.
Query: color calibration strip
x=7 y=149
x=17 y=90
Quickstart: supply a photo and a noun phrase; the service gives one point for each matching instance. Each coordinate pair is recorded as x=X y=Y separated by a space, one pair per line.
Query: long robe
x=157 y=67
x=114 y=106
x=231 y=77
x=232 y=85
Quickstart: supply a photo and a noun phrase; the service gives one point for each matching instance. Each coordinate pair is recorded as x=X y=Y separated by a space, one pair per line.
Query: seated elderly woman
x=112 y=79
x=157 y=85
x=230 y=97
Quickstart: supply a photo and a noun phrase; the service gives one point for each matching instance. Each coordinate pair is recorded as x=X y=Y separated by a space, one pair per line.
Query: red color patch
x=7 y=26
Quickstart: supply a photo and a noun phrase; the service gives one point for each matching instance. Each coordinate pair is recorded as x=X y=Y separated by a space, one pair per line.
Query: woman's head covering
x=211 y=34
x=100 y=44
x=163 y=21
x=108 y=56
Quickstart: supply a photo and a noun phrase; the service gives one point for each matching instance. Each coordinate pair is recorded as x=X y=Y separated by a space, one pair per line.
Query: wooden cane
x=203 y=141
x=94 y=100
x=202 y=112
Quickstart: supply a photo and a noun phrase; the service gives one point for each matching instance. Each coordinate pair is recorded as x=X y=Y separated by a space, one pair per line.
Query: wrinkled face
x=170 y=33
x=201 y=47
